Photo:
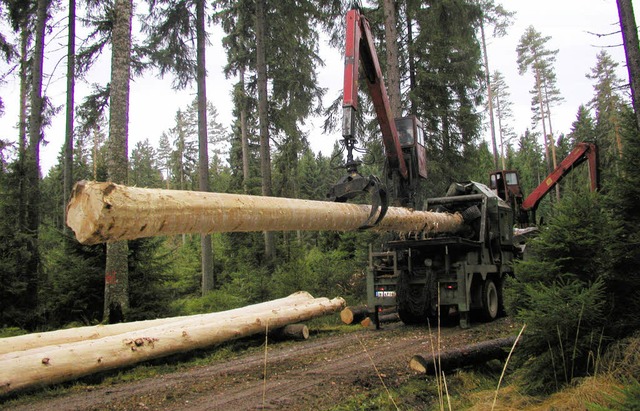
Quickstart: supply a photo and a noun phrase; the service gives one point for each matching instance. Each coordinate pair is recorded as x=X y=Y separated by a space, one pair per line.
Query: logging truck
x=425 y=273
x=418 y=273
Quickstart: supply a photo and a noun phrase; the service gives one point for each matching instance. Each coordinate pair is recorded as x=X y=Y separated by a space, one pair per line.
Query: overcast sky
x=153 y=103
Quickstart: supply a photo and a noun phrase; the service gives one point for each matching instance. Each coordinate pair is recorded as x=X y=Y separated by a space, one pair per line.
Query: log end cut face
x=86 y=209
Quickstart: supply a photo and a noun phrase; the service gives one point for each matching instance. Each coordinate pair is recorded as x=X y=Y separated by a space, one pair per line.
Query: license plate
x=381 y=294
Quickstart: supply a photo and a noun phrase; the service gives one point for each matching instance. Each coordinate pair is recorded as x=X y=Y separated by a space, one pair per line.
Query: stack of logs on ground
x=38 y=360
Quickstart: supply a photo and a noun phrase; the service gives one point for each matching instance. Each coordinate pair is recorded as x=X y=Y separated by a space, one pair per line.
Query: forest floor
x=328 y=370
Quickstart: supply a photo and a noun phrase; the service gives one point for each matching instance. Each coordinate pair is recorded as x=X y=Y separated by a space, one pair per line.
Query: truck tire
x=490 y=300
x=411 y=318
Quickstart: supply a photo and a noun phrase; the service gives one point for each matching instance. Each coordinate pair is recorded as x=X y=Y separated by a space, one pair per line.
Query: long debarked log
x=104 y=212
x=469 y=355
x=70 y=361
x=11 y=347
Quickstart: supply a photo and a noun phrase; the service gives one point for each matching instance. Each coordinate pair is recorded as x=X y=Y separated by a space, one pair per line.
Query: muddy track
x=315 y=374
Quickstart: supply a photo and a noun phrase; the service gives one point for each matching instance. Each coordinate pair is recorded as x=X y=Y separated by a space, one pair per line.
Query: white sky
x=153 y=103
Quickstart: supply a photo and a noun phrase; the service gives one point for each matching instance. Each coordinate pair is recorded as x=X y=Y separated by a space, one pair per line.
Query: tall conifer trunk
x=411 y=58
x=393 y=71
x=116 y=291
x=632 y=52
x=32 y=162
x=487 y=77
x=208 y=277
x=243 y=133
x=263 y=114
x=68 y=142
x=22 y=123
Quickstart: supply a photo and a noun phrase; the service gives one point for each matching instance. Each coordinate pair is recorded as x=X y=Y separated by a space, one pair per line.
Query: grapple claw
x=353 y=185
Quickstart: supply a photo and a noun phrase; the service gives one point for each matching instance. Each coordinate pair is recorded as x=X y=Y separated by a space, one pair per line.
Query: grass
x=615 y=387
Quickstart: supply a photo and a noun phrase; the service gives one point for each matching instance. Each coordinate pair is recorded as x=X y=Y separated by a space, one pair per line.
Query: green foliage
x=11 y=332
x=213 y=301
x=183 y=273
x=74 y=287
x=559 y=343
x=323 y=274
x=148 y=277
x=447 y=90
x=16 y=308
x=623 y=201
x=627 y=398
x=562 y=293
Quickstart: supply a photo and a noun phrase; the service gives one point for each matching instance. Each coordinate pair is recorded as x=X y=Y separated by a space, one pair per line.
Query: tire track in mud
x=295 y=388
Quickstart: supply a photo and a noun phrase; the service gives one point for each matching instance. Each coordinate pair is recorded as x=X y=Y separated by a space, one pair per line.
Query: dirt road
x=318 y=373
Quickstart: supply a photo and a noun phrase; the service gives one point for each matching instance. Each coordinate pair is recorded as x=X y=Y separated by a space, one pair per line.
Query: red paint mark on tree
x=110 y=278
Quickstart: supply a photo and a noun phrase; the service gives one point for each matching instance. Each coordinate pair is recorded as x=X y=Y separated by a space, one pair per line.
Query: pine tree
x=533 y=55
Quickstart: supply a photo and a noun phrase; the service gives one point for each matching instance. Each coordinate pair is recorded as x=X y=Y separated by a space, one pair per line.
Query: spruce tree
x=448 y=85
x=116 y=300
x=609 y=106
x=503 y=112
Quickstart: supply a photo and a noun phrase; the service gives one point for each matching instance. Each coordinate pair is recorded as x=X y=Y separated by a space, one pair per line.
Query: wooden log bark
x=70 y=361
x=368 y=322
x=11 y=347
x=388 y=318
x=473 y=354
x=290 y=332
x=354 y=315
x=107 y=212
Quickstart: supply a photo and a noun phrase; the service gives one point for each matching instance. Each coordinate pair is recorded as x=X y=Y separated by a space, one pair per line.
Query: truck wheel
x=490 y=300
x=410 y=318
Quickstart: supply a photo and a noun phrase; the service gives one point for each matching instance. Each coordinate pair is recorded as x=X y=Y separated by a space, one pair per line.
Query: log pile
x=361 y=315
x=51 y=359
x=354 y=315
x=105 y=212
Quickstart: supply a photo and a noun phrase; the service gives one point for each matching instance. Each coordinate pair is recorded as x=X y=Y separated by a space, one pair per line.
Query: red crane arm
x=582 y=152
x=360 y=49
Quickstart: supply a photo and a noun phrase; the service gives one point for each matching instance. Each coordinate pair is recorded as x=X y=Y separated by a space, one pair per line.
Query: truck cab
x=411 y=136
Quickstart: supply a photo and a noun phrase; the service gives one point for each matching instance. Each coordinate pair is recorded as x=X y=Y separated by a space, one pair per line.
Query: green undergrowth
x=615 y=387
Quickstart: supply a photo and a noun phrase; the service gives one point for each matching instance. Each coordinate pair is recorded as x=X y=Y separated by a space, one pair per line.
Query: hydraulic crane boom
x=507 y=185
x=361 y=49
x=405 y=155
x=581 y=153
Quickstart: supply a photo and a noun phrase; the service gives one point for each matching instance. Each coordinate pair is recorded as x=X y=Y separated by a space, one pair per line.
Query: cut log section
x=382 y=319
x=13 y=346
x=105 y=212
x=354 y=315
x=290 y=332
x=473 y=354
x=70 y=361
